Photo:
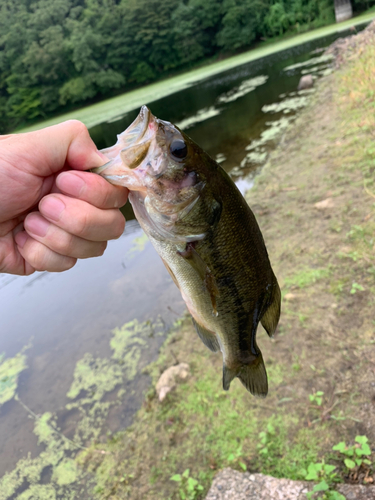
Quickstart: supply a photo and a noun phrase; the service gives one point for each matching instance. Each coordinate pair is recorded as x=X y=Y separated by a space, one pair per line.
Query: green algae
x=243 y=89
x=126 y=344
x=289 y=105
x=139 y=244
x=10 y=370
x=200 y=116
x=29 y=471
x=66 y=472
x=94 y=376
x=38 y=492
x=259 y=147
x=324 y=59
x=94 y=380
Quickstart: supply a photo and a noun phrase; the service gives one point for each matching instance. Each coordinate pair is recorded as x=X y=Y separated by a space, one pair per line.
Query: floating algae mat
x=97 y=388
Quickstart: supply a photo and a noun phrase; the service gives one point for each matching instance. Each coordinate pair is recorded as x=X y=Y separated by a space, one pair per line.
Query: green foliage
x=357 y=454
x=326 y=477
x=306 y=277
x=355 y=288
x=67 y=52
x=317 y=397
x=325 y=474
x=189 y=487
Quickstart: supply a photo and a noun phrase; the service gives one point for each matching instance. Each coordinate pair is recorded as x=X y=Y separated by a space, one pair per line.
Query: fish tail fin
x=271 y=317
x=253 y=376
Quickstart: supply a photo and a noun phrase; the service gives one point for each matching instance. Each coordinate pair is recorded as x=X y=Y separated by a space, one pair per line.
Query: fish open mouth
x=130 y=149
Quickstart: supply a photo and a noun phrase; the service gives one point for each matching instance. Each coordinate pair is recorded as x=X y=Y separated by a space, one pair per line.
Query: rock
x=289 y=297
x=169 y=379
x=306 y=82
x=322 y=205
x=233 y=485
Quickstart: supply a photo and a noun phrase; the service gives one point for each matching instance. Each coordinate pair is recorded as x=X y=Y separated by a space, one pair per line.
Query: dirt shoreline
x=315 y=203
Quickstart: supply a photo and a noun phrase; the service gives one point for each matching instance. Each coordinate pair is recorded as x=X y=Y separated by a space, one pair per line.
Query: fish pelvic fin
x=271 y=317
x=208 y=338
x=253 y=376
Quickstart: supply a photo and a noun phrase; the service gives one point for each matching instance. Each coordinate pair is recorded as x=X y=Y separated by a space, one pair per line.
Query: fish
x=207 y=237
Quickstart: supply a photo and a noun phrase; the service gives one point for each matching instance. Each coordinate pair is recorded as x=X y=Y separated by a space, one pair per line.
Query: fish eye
x=178 y=149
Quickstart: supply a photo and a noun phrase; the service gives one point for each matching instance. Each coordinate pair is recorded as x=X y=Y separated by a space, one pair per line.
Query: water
x=63 y=316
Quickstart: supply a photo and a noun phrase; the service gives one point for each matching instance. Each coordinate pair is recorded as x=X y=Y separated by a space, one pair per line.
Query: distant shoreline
x=108 y=109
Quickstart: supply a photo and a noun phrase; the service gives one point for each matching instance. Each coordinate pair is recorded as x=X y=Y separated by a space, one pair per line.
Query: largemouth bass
x=207 y=237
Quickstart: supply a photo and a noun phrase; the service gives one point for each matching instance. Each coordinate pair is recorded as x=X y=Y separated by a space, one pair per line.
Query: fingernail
x=37 y=225
x=52 y=207
x=21 y=238
x=70 y=183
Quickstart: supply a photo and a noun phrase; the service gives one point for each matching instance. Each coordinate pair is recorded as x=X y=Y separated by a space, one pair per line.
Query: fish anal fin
x=228 y=375
x=271 y=317
x=252 y=375
x=199 y=265
x=171 y=273
x=208 y=338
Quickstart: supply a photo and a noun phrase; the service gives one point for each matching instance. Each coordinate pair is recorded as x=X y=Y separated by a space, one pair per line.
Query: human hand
x=51 y=212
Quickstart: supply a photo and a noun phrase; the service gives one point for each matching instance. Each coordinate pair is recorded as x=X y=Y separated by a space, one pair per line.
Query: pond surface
x=237 y=117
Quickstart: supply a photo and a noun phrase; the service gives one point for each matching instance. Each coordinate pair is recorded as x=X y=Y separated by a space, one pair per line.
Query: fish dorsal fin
x=271 y=317
x=208 y=279
x=208 y=338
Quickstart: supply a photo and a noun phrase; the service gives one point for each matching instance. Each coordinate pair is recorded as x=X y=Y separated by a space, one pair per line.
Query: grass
x=202 y=428
x=116 y=107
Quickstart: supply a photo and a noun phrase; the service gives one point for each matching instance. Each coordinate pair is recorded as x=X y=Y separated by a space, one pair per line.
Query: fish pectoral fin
x=171 y=273
x=208 y=338
x=194 y=259
x=216 y=210
x=253 y=376
x=271 y=317
x=199 y=265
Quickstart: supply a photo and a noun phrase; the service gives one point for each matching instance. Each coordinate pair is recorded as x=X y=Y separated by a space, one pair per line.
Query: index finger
x=91 y=188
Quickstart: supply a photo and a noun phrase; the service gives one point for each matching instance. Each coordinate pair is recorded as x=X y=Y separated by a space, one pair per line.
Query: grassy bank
x=118 y=106
x=315 y=202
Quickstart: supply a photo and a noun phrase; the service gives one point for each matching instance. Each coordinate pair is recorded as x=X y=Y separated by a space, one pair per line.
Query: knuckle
x=77 y=126
x=102 y=249
x=118 y=226
x=67 y=263
x=81 y=225
x=66 y=245
x=38 y=256
x=42 y=258
x=106 y=197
